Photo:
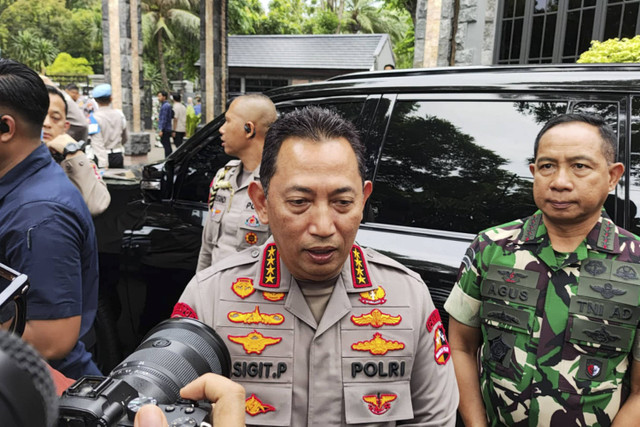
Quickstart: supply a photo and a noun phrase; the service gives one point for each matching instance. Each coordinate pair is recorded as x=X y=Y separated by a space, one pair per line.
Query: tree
x=245 y=17
x=36 y=52
x=161 y=19
x=66 y=64
x=612 y=50
x=46 y=19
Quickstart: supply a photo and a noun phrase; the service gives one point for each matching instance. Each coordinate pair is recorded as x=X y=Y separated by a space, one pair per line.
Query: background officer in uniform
x=232 y=224
x=552 y=300
x=108 y=143
x=321 y=331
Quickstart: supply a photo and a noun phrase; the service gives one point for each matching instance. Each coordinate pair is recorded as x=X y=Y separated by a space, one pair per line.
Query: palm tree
x=34 y=51
x=161 y=19
x=366 y=16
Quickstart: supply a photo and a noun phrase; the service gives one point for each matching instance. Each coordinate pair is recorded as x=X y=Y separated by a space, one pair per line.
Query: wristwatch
x=71 y=148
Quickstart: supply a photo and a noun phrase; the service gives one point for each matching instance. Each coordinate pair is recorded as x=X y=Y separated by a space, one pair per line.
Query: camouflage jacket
x=557 y=328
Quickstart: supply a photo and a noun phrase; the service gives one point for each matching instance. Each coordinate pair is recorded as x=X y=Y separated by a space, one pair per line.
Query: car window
x=458 y=165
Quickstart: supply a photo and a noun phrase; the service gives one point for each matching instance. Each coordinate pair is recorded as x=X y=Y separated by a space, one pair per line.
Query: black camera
x=174 y=353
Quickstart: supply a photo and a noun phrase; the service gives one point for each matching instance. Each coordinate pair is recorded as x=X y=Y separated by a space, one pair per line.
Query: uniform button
x=81 y=163
x=255 y=253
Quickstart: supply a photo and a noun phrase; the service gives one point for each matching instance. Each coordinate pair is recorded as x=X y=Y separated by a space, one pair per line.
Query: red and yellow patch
x=183 y=310
x=376 y=318
x=433 y=320
x=254 y=342
x=377 y=345
x=441 y=351
x=243 y=287
x=273 y=296
x=379 y=403
x=254 y=406
x=374 y=296
x=270 y=271
x=359 y=271
x=255 y=316
x=251 y=238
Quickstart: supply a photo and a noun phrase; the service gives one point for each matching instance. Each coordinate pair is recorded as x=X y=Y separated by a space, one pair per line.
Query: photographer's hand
x=228 y=400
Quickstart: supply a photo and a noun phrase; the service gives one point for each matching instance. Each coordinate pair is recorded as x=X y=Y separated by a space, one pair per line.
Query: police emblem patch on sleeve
x=254 y=406
x=441 y=350
x=433 y=320
x=183 y=310
x=379 y=403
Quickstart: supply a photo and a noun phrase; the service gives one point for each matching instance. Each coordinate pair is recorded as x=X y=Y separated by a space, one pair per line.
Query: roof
x=327 y=51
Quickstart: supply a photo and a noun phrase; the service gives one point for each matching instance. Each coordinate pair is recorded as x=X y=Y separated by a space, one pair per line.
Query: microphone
x=27 y=393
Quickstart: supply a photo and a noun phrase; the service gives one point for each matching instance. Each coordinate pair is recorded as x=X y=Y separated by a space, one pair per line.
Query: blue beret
x=101 y=91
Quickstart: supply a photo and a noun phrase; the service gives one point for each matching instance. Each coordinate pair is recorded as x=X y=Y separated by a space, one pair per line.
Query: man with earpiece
x=232 y=223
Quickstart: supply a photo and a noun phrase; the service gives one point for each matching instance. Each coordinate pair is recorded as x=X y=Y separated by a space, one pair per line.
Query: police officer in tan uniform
x=321 y=331
x=232 y=224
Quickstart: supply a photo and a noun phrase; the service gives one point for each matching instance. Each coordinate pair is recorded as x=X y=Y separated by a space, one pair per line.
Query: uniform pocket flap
x=377 y=402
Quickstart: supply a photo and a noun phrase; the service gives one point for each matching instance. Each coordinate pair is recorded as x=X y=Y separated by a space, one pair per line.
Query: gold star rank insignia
x=377 y=345
x=359 y=271
x=255 y=317
x=254 y=342
x=376 y=318
x=270 y=271
x=254 y=406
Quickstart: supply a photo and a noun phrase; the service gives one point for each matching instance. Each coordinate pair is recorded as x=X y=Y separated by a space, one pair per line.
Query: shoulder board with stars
x=270 y=271
x=359 y=270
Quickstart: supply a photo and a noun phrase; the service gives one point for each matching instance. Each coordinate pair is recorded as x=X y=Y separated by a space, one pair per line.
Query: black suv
x=447 y=150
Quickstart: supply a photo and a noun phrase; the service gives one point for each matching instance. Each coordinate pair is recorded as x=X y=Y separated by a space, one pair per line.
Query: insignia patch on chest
x=511 y=276
x=433 y=320
x=374 y=296
x=254 y=406
x=593 y=368
x=626 y=272
x=254 y=317
x=441 y=351
x=498 y=349
x=595 y=268
x=270 y=272
x=602 y=335
x=379 y=403
x=251 y=238
x=254 y=342
x=183 y=310
x=243 y=287
x=376 y=318
x=359 y=271
x=273 y=296
x=252 y=221
x=607 y=290
x=377 y=345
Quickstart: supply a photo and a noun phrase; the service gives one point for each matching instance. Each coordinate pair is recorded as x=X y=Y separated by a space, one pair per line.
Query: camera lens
x=173 y=354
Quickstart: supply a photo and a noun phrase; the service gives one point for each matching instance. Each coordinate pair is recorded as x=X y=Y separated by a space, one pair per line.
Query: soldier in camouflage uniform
x=552 y=300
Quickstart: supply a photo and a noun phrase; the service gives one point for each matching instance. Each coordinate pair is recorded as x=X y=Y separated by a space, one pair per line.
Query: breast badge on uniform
x=254 y=317
x=376 y=318
x=374 y=296
x=377 y=345
x=251 y=238
x=270 y=271
x=273 y=296
x=607 y=290
x=626 y=272
x=595 y=268
x=379 y=403
x=593 y=368
x=254 y=342
x=243 y=287
x=252 y=221
x=254 y=406
x=359 y=270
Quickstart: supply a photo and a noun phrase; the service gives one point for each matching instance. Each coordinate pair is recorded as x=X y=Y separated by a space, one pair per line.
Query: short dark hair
x=163 y=93
x=176 y=96
x=106 y=100
x=72 y=86
x=54 y=91
x=23 y=91
x=311 y=124
x=609 y=138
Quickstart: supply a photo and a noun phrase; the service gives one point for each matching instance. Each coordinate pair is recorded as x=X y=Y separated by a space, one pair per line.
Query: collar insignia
x=359 y=271
x=376 y=318
x=252 y=221
x=626 y=272
x=377 y=345
x=511 y=276
x=255 y=316
x=608 y=291
x=243 y=287
x=273 y=296
x=379 y=403
x=595 y=268
x=254 y=406
x=270 y=271
x=251 y=238
x=254 y=342
x=374 y=296
x=441 y=351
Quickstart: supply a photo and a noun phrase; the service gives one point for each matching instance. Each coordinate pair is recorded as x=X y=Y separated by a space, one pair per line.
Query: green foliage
x=285 y=17
x=67 y=64
x=612 y=50
x=323 y=21
x=32 y=50
x=245 y=17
